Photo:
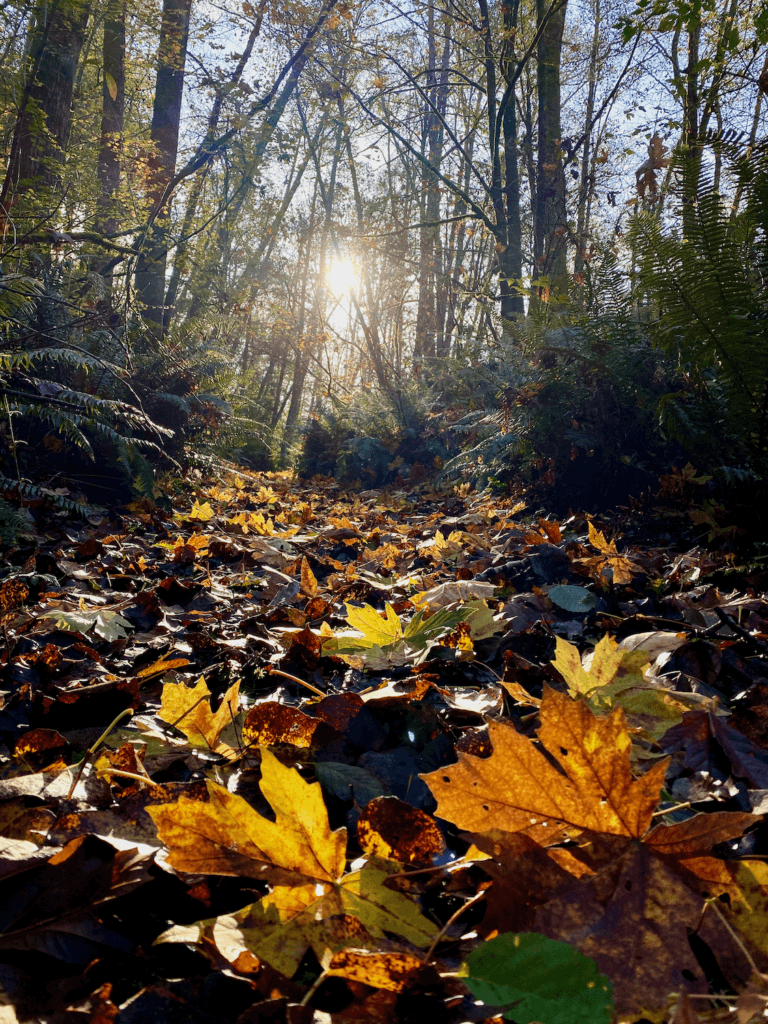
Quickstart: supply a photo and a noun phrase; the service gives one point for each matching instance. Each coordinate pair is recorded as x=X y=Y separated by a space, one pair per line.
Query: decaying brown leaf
x=271 y=723
x=394 y=972
x=392 y=829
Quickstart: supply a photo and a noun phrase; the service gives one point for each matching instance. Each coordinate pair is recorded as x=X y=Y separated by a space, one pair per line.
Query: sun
x=342 y=276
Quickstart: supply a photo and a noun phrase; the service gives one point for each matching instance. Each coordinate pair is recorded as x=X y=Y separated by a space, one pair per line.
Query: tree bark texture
x=44 y=119
x=112 y=115
x=164 y=136
x=550 y=222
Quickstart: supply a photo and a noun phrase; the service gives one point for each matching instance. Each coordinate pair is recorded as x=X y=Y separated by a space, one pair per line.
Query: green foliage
x=540 y=979
x=12 y=523
x=576 y=402
x=377 y=439
x=65 y=401
x=711 y=311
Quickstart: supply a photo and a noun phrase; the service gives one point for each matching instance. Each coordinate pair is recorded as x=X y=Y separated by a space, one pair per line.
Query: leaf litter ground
x=280 y=754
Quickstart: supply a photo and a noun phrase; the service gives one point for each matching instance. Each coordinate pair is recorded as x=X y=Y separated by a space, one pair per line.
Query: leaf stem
x=94 y=747
x=295 y=679
x=314 y=987
x=128 y=775
x=735 y=937
x=457 y=913
x=670 y=810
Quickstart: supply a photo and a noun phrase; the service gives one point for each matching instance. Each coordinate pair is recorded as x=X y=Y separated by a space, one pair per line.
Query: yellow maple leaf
x=300 y=854
x=450 y=546
x=615 y=677
x=201 y=512
x=189 y=710
x=375 y=629
x=606 y=660
x=192 y=548
x=621 y=569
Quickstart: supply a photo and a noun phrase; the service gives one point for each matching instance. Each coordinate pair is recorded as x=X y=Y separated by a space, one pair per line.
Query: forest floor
x=277 y=753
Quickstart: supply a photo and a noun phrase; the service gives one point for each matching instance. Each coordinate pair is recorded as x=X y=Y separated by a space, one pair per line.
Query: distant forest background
x=505 y=244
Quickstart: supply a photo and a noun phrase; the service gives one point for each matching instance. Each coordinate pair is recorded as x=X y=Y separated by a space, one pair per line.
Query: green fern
x=711 y=305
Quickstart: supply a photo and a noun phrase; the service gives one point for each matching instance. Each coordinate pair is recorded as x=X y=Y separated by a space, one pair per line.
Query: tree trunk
x=166 y=113
x=44 y=119
x=691 y=144
x=425 y=313
x=112 y=113
x=586 y=179
x=511 y=260
x=550 y=223
x=197 y=186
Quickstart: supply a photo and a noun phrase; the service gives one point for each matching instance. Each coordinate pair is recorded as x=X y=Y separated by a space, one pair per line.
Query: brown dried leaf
x=12 y=594
x=271 y=723
x=394 y=830
x=394 y=972
x=308 y=581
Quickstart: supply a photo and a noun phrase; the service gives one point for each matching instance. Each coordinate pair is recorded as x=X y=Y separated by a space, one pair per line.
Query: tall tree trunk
x=586 y=179
x=511 y=259
x=425 y=312
x=301 y=358
x=112 y=114
x=44 y=119
x=164 y=136
x=550 y=223
x=691 y=144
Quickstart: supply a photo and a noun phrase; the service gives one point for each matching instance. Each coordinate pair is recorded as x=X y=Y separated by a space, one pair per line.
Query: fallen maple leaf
x=189 y=710
x=642 y=893
x=518 y=789
x=312 y=895
x=612 y=676
x=395 y=972
x=621 y=569
x=202 y=513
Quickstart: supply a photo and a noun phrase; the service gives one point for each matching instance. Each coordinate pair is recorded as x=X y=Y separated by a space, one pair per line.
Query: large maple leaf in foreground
x=628 y=895
x=313 y=902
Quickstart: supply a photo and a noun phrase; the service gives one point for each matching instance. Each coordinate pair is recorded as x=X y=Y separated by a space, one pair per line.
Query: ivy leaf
x=106 y=624
x=542 y=979
x=577 y=600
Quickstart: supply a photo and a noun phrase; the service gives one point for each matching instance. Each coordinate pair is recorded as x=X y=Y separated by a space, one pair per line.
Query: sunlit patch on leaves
x=202 y=513
x=105 y=623
x=271 y=723
x=381 y=641
x=616 y=677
